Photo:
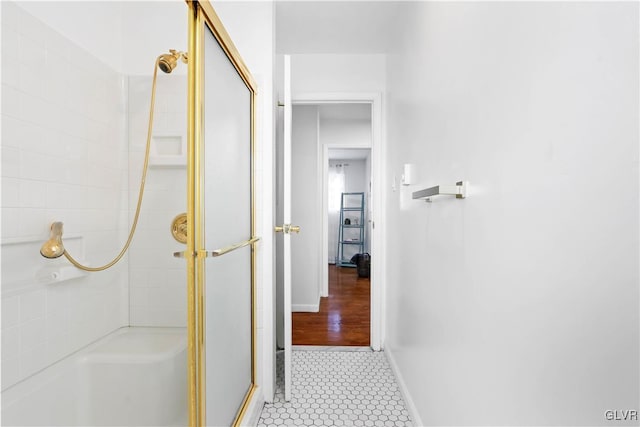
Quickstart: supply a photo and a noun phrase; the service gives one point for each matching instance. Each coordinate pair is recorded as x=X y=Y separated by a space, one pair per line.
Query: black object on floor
x=363 y=263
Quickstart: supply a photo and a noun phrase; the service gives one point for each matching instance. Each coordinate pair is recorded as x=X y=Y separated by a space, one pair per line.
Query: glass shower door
x=227 y=222
x=222 y=205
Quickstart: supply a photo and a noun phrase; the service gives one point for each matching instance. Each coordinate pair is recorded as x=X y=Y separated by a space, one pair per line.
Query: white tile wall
x=64 y=158
x=157 y=279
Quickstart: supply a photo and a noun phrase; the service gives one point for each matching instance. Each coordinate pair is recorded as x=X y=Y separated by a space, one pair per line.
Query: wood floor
x=344 y=315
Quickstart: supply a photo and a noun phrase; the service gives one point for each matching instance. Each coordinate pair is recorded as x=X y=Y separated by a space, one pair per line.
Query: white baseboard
x=254 y=409
x=311 y=308
x=411 y=407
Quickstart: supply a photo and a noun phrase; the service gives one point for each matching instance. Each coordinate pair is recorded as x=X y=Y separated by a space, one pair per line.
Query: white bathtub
x=131 y=377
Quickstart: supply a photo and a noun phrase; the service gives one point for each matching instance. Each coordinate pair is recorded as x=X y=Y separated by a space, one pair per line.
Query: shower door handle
x=227 y=249
x=217 y=252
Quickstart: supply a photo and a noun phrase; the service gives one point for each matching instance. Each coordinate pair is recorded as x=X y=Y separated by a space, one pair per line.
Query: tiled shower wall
x=157 y=278
x=64 y=158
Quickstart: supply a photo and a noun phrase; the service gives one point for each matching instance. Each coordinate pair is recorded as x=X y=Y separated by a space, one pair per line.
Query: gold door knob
x=287 y=229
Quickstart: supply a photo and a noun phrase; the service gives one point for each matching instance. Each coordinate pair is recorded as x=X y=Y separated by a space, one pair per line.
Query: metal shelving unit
x=350 y=234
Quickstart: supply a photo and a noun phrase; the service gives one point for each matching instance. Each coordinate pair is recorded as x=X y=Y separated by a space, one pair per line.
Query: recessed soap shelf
x=168 y=150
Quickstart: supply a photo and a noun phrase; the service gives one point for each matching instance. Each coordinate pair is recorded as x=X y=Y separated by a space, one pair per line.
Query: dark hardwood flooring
x=344 y=315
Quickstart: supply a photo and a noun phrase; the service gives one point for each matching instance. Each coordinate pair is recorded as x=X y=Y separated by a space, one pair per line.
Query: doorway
x=344 y=313
x=331 y=304
x=306 y=108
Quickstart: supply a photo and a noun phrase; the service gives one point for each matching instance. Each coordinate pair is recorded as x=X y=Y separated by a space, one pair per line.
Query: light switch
x=407 y=174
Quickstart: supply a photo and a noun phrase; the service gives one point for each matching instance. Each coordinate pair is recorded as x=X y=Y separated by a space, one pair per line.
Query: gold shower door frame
x=202 y=14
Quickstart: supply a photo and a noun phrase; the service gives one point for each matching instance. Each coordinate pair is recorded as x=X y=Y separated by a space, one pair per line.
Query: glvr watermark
x=621 y=414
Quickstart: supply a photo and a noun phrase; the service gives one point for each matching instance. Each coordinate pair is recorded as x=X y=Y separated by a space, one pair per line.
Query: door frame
x=378 y=285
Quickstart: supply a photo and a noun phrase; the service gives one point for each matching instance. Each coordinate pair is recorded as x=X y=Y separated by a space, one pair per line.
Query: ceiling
x=338 y=27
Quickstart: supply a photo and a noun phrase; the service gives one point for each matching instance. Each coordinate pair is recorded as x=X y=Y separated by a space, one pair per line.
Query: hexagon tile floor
x=338 y=388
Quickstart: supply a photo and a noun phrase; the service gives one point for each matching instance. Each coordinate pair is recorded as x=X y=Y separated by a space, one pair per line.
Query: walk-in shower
x=86 y=341
x=54 y=247
x=130 y=339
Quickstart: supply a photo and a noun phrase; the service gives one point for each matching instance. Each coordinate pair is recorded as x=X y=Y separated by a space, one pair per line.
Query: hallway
x=346 y=387
x=344 y=316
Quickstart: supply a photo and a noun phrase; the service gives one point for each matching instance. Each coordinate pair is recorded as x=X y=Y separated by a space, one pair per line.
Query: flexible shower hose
x=140 y=193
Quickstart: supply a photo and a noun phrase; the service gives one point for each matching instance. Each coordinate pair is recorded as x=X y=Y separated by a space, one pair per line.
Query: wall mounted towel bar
x=459 y=190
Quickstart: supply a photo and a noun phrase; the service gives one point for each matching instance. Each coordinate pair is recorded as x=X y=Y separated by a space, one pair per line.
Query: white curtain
x=337 y=185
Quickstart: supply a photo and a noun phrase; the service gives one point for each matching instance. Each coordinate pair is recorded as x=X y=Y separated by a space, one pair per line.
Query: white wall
x=519 y=304
x=349 y=132
x=95 y=27
x=125 y=35
x=321 y=73
x=305 y=209
x=64 y=158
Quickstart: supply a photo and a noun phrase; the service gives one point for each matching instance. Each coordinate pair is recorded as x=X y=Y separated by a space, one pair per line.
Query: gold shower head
x=167 y=62
x=53 y=248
